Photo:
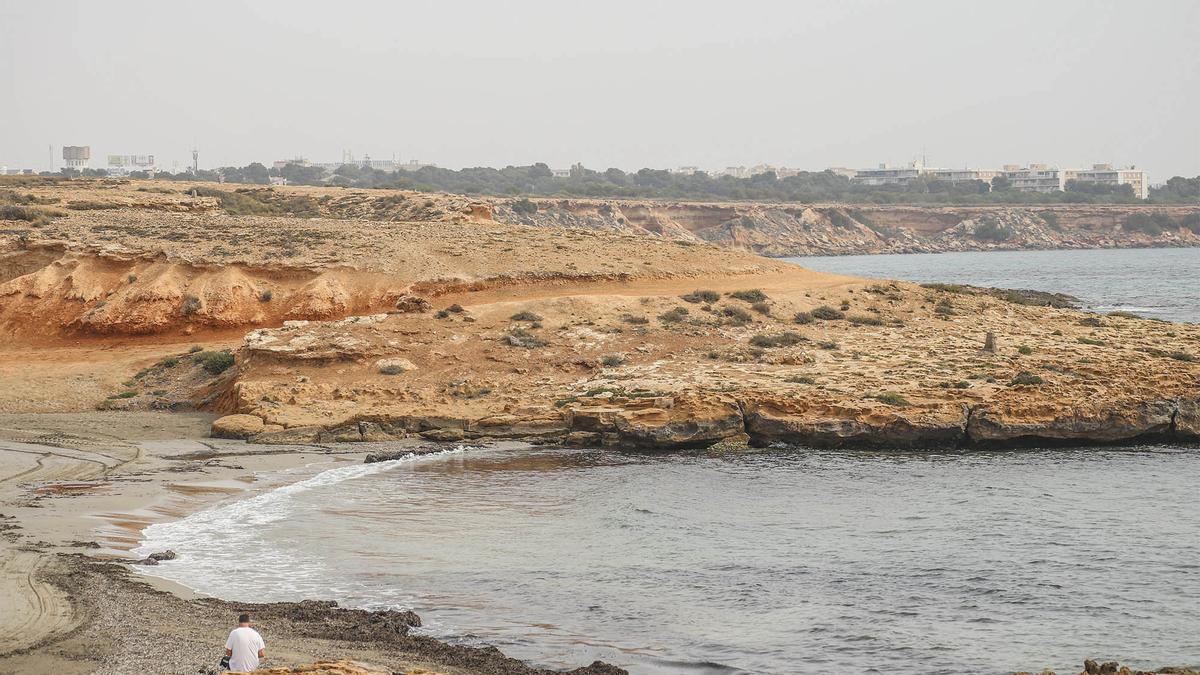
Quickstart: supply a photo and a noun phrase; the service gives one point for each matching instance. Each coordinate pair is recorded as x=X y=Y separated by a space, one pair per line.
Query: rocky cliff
x=782 y=230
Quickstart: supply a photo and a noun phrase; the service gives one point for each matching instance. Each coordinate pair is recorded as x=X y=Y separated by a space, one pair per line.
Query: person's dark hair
x=243 y=618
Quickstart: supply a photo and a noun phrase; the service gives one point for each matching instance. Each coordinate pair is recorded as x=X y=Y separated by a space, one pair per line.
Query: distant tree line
x=807 y=186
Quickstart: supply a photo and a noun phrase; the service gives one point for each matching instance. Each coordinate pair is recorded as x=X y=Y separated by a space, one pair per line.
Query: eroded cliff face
x=783 y=230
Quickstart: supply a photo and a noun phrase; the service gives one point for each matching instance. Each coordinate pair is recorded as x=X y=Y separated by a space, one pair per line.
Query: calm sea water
x=779 y=561
x=770 y=562
x=1163 y=283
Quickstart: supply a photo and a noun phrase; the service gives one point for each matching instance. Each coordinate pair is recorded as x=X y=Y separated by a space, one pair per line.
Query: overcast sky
x=612 y=83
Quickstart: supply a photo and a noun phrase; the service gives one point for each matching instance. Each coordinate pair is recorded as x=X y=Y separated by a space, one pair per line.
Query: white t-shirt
x=245 y=643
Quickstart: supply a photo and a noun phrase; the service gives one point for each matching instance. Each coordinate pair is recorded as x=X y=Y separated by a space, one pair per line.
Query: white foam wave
x=220 y=549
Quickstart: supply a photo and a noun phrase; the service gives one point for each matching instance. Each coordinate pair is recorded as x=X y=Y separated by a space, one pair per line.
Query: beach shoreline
x=75 y=499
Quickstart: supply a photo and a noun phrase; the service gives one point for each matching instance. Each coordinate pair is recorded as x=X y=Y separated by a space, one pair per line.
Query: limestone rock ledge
x=702 y=420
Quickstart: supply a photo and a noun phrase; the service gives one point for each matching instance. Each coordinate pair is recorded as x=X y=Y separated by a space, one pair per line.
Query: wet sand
x=76 y=489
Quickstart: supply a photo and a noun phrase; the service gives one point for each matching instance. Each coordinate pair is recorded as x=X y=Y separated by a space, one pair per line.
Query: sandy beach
x=76 y=491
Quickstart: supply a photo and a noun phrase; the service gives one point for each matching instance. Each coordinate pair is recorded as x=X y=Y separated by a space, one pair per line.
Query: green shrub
x=1026 y=378
x=673 y=315
x=612 y=360
x=699 y=296
x=993 y=230
x=191 y=305
x=751 y=295
x=803 y=317
x=124 y=394
x=784 y=339
x=215 y=363
x=169 y=362
x=736 y=316
x=761 y=308
x=891 y=398
x=1024 y=350
x=521 y=206
x=519 y=337
x=525 y=315
x=800 y=379
x=635 y=320
x=864 y=320
x=1091 y=341
x=195 y=348
x=391 y=369
x=827 y=313
x=828 y=344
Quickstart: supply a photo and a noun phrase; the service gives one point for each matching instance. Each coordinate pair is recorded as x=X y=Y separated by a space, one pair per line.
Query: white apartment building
x=1035 y=178
x=963 y=175
x=889 y=175
x=1105 y=174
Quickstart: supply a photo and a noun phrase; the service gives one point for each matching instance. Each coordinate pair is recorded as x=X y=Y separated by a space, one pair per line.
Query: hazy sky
x=612 y=83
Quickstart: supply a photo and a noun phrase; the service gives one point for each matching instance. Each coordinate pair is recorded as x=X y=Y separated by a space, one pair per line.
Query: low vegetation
x=785 y=339
x=1026 y=378
x=519 y=337
x=752 y=295
x=891 y=398
x=827 y=313
x=215 y=363
x=675 y=315
x=699 y=296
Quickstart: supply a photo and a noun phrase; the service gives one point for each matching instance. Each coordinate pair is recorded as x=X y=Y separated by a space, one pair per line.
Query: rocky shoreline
x=114 y=600
x=668 y=423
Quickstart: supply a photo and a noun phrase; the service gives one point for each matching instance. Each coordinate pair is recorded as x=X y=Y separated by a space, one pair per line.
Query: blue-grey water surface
x=768 y=562
x=1162 y=283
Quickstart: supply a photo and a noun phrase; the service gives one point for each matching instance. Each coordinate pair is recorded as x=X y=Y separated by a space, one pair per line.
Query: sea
x=782 y=560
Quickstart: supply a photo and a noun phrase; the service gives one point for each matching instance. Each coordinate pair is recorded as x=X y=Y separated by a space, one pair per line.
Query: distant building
x=963 y=175
x=842 y=171
x=389 y=165
x=1036 y=178
x=687 y=170
x=889 y=175
x=1105 y=174
x=561 y=173
x=120 y=165
x=78 y=157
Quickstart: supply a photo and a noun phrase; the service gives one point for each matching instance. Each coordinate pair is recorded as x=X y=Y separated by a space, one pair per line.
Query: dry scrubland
x=311 y=316
x=452 y=325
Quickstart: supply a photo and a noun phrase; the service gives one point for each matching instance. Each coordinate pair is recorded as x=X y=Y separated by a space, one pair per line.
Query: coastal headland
x=318 y=323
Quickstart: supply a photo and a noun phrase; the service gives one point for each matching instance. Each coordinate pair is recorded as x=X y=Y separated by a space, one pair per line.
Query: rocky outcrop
x=1093 y=422
x=667 y=424
x=688 y=421
x=238 y=427
x=1187 y=419
x=825 y=425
